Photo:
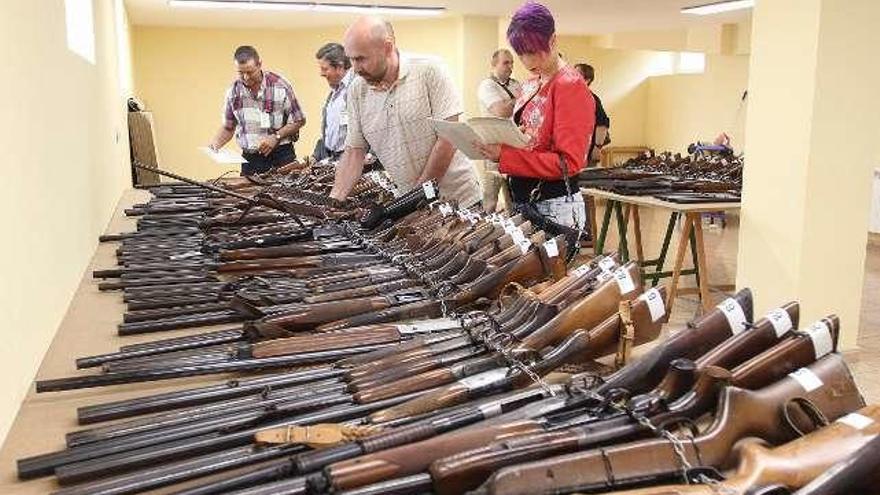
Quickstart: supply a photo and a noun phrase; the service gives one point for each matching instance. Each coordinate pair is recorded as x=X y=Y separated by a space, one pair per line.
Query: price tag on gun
x=607 y=264
x=517 y=236
x=624 y=281
x=655 y=303
x=780 y=320
x=524 y=244
x=736 y=317
x=430 y=193
x=551 y=248
x=820 y=334
x=581 y=270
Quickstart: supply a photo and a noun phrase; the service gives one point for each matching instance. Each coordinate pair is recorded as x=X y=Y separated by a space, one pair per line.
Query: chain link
x=494 y=338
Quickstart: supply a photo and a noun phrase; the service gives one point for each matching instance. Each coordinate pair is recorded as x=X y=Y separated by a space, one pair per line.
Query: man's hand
x=221 y=138
x=491 y=152
x=267 y=144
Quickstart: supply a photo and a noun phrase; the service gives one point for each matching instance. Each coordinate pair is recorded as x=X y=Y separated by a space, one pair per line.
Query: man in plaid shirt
x=262 y=113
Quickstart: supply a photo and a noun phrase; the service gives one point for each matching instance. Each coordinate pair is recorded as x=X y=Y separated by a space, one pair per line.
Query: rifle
x=470 y=468
x=857 y=472
x=415 y=457
x=261 y=199
x=311 y=461
x=125 y=453
x=792 y=465
x=827 y=385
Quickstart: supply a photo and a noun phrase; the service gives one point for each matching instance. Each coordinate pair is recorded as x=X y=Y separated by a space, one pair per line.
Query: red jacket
x=559 y=119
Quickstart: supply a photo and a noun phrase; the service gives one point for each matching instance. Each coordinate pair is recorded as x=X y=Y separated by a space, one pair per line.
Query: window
x=662 y=64
x=691 y=63
x=80 y=28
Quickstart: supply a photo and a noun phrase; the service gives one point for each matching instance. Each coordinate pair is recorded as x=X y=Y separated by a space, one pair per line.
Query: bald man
x=388 y=110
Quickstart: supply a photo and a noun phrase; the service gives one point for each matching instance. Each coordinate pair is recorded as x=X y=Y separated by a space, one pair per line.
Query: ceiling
x=572 y=16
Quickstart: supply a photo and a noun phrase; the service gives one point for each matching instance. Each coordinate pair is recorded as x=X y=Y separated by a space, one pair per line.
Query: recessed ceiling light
x=718 y=7
x=344 y=8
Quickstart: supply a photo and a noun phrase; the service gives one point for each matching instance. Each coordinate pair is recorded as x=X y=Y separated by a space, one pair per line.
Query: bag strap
x=506 y=90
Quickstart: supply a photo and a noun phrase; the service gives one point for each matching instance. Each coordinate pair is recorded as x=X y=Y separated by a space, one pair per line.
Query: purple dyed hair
x=530 y=29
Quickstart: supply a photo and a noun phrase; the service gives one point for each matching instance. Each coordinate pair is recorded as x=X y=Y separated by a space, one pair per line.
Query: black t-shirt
x=601 y=120
x=601 y=117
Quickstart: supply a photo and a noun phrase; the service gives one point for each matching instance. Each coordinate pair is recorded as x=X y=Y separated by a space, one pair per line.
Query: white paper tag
x=551 y=248
x=483 y=379
x=430 y=193
x=806 y=379
x=188 y=254
x=524 y=245
x=820 y=334
x=581 y=270
x=425 y=326
x=780 y=320
x=604 y=276
x=607 y=264
x=856 y=420
x=517 y=236
x=624 y=281
x=445 y=210
x=736 y=318
x=508 y=226
x=655 y=303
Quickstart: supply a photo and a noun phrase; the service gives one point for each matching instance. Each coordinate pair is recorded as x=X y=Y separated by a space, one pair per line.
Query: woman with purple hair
x=557 y=112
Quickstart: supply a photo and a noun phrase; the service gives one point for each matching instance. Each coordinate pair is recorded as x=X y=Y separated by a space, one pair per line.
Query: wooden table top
x=659 y=203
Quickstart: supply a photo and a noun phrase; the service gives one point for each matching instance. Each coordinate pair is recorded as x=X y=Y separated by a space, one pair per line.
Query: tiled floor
x=721 y=250
x=866 y=360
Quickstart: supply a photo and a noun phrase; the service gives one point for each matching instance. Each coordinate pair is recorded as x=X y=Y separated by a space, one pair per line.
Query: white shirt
x=394 y=124
x=491 y=92
x=336 y=116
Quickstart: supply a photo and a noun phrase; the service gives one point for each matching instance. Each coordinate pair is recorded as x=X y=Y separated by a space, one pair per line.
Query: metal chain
x=497 y=340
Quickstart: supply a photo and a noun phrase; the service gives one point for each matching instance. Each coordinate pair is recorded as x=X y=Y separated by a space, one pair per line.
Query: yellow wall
x=182 y=75
x=683 y=108
x=479 y=41
x=726 y=39
x=812 y=144
x=621 y=83
x=65 y=141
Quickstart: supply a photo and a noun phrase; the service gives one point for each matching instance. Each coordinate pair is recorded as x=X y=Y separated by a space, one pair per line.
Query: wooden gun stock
x=740 y=414
x=792 y=465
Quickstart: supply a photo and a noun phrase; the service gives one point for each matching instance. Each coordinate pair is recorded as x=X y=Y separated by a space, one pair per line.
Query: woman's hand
x=491 y=152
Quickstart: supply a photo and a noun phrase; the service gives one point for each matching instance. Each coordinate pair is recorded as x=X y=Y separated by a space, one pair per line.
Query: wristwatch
x=277 y=136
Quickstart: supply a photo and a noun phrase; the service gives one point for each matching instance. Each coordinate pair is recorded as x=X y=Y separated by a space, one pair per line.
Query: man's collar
x=403 y=66
x=346 y=79
x=262 y=85
x=498 y=80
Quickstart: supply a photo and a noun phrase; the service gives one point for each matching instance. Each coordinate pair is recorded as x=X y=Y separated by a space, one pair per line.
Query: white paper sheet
x=223 y=156
x=488 y=130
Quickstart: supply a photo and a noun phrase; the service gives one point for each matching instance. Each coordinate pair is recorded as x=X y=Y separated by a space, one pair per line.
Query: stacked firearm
x=419 y=356
x=695 y=178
